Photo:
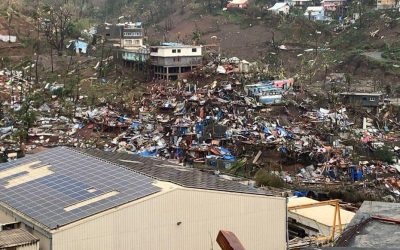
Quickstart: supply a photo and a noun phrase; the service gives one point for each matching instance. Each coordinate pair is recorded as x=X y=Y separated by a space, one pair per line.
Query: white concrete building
x=94 y=200
x=132 y=36
x=280 y=8
x=170 y=60
x=315 y=13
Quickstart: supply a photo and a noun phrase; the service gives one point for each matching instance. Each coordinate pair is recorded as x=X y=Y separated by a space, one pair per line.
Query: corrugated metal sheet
x=181 y=219
x=16 y=237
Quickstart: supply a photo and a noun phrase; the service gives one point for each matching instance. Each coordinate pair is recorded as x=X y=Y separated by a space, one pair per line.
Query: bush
x=264 y=178
x=384 y=154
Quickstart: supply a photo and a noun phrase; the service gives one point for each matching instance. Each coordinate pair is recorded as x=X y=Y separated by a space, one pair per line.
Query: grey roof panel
x=15 y=238
x=186 y=177
x=45 y=199
x=374 y=234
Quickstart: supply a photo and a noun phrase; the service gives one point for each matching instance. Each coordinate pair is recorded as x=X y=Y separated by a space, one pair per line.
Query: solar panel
x=76 y=178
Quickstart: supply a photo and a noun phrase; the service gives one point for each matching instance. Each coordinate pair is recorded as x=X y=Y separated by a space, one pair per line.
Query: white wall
x=185 y=51
x=29 y=247
x=132 y=42
x=6 y=218
x=44 y=242
x=323 y=229
x=258 y=221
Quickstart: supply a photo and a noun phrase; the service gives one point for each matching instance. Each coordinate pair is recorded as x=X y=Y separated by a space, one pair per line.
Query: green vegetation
x=264 y=178
x=384 y=154
x=392 y=52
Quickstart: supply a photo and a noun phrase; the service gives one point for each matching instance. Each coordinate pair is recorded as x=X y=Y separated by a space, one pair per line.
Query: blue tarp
x=283 y=132
x=356 y=175
x=122 y=118
x=148 y=153
x=181 y=131
x=135 y=125
x=199 y=128
x=300 y=194
x=283 y=150
x=267 y=131
x=229 y=158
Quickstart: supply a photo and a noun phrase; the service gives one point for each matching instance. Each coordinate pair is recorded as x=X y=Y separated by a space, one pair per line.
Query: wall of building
x=7 y=217
x=184 y=51
x=177 y=61
x=181 y=219
x=382 y=4
x=29 y=247
x=364 y=101
x=132 y=43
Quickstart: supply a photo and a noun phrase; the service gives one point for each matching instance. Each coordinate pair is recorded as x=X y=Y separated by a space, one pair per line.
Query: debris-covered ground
x=228 y=125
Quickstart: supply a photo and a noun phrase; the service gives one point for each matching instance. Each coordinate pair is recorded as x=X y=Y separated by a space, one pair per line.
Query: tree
x=10 y=13
x=58 y=26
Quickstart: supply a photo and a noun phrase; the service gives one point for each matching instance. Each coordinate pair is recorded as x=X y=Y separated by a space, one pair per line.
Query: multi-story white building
x=170 y=60
x=133 y=49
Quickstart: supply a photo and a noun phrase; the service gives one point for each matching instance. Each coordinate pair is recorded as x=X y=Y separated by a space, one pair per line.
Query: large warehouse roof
x=169 y=172
x=60 y=186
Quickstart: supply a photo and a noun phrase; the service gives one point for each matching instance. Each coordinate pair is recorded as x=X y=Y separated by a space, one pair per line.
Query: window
x=132 y=33
x=155 y=50
x=174 y=51
x=372 y=99
x=179 y=51
x=194 y=50
x=128 y=42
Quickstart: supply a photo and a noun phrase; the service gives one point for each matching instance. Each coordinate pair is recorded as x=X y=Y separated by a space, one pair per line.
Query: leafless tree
x=58 y=23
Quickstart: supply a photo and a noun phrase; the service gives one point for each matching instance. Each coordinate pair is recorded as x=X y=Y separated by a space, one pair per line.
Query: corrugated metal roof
x=166 y=171
x=16 y=237
x=375 y=234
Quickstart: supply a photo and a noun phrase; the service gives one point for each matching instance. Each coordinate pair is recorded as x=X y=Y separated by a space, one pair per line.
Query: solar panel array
x=77 y=177
x=166 y=171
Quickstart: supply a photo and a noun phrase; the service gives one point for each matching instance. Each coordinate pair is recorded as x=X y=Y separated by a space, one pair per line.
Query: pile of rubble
x=219 y=125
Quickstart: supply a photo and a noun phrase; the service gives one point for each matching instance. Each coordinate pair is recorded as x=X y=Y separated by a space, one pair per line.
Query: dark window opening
x=174 y=51
x=194 y=50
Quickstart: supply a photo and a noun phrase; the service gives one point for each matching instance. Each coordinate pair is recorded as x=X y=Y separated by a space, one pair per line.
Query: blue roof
x=62 y=177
